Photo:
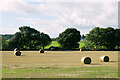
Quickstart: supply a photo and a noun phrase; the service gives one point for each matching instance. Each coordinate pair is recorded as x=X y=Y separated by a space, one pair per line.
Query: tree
x=30 y=36
x=4 y=44
x=102 y=37
x=16 y=41
x=7 y=36
x=27 y=38
x=117 y=38
x=108 y=38
x=69 y=38
x=89 y=45
x=45 y=40
x=95 y=36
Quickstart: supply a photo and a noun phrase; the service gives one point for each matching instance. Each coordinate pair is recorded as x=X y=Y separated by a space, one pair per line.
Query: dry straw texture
x=86 y=60
x=41 y=51
x=17 y=53
x=104 y=59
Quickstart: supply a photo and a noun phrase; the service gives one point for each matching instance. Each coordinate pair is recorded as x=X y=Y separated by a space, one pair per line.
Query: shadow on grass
x=95 y=64
x=23 y=55
x=113 y=61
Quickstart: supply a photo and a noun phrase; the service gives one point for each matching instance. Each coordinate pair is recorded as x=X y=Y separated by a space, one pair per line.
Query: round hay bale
x=86 y=60
x=16 y=49
x=41 y=51
x=104 y=59
x=17 y=53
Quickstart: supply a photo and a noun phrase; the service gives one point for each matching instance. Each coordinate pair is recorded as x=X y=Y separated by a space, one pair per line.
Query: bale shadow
x=95 y=64
x=113 y=61
x=23 y=55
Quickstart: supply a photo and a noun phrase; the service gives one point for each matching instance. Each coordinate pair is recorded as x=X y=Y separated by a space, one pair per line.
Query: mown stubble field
x=59 y=64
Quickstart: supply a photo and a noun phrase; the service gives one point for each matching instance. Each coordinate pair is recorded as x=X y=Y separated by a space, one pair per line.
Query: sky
x=53 y=17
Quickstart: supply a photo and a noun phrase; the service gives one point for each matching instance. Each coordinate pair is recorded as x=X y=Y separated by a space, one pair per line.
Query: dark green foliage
x=117 y=35
x=89 y=44
x=7 y=36
x=4 y=43
x=104 y=37
x=94 y=36
x=16 y=41
x=45 y=40
x=109 y=38
x=29 y=38
x=83 y=37
x=69 y=38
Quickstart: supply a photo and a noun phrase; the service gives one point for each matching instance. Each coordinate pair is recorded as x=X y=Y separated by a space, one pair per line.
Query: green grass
x=81 y=44
x=59 y=64
x=55 y=44
x=56 y=72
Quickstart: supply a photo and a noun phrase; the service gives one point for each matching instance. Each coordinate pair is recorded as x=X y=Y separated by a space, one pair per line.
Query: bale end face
x=41 y=51
x=86 y=60
x=104 y=59
x=17 y=53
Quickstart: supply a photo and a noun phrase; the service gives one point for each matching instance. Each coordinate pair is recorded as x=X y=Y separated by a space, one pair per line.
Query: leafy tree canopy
x=69 y=38
x=103 y=37
x=28 y=38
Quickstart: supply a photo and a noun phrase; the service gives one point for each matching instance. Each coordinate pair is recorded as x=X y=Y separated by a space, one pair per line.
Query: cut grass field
x=55 y=44
x=59 y=64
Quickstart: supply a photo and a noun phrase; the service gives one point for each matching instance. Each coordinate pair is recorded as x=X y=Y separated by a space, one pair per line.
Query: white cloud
x=72 y=0
x=18 y=6
x=53 y=28
x=82 y=15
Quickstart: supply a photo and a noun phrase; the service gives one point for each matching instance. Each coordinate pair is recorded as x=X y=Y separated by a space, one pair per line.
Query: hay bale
x=86 y=60
x=41 y=51
x=104 y=59
x=17 y=53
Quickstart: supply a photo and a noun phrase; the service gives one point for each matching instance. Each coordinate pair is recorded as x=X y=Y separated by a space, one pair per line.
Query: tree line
x=27 y=38
x=98 y=38
x=103 y=38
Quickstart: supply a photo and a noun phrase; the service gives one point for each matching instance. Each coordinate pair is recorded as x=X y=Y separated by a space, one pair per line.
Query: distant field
x=59 y=64
x=55 y=44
